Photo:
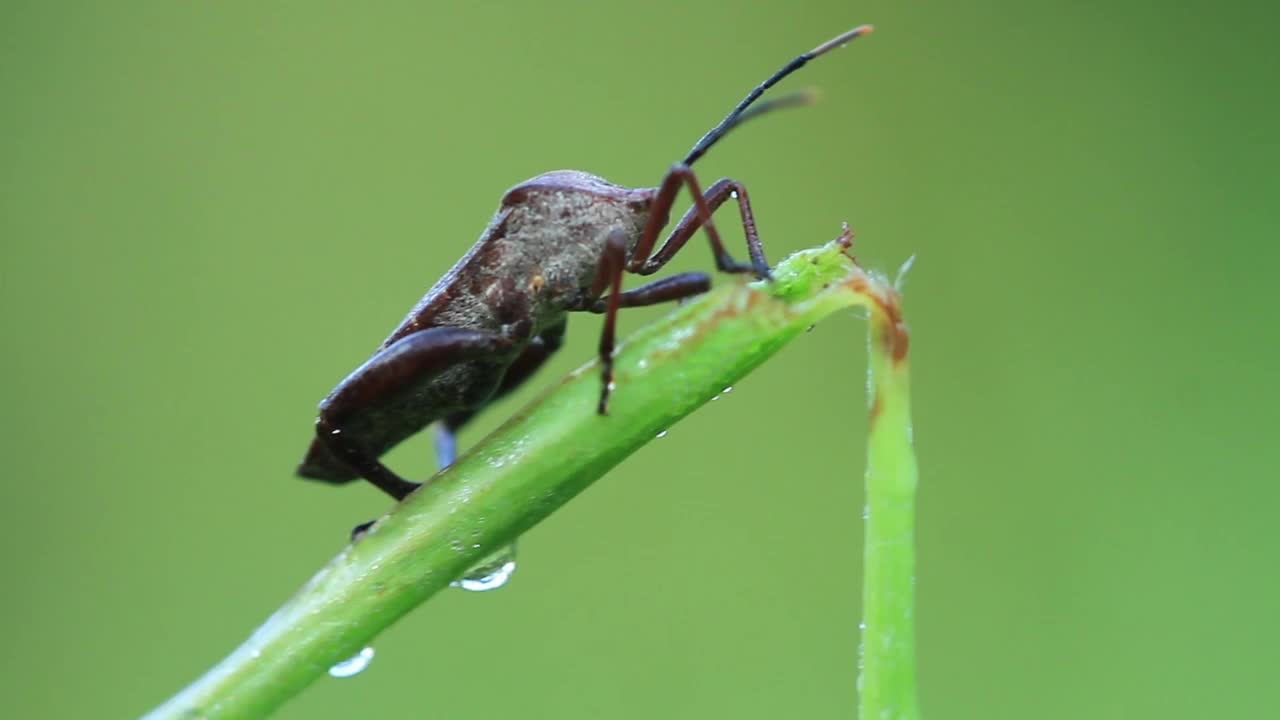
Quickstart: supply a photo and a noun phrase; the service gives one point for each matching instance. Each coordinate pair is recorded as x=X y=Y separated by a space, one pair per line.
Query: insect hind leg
x=445 y=431
x=384 y=377
x=534 y=355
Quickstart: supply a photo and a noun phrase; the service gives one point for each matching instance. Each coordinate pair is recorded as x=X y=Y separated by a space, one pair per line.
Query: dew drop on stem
x=491 y=573
x=353 y=665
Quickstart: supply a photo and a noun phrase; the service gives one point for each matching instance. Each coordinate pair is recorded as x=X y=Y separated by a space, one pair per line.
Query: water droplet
x=492 y=580
x=715 y=397
x=335 y=431
x=728 y=389
x=662 y=433
x=353 y=665
x=492 y=573
x=809 y=329
x=733 y=194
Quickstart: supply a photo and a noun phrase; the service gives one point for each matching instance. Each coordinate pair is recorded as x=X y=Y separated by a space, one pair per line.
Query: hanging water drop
x=728 y=389
x=662 y=433
x=492 y=580
x=353 y=665
x=492 y=573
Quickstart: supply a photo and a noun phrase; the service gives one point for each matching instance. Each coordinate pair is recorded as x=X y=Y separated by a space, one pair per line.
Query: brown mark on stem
x=888 y=303
x=893 y=332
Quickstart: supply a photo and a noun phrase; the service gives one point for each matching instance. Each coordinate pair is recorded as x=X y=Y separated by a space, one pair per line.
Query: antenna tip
x=841 y=39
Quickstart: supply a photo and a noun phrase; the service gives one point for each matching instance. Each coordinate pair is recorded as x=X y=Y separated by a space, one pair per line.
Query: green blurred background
x=212 y=211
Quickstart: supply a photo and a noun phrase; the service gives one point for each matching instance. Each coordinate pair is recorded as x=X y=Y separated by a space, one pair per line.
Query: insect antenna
x=800 y=98
x=741 y=113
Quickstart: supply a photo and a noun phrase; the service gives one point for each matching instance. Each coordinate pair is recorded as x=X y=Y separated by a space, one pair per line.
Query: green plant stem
x=519 y=475
x=888 y=682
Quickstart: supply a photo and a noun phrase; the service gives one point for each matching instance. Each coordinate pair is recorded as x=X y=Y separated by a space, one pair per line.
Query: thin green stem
x=520 y=474
x=888 y=680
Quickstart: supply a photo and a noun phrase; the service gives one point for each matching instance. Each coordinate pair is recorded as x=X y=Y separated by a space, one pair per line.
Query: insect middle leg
x=671 y=288
x=609 y=276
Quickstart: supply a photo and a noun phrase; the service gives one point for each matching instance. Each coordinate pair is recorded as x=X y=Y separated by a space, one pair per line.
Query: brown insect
x=559 y=243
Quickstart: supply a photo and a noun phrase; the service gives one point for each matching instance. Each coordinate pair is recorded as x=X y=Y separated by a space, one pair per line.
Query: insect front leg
x=715 y=196
x=699 y=215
